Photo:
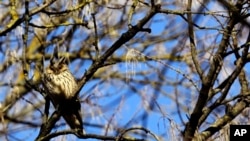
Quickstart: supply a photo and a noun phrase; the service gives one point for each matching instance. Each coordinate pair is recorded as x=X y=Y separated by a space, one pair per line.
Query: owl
x=62 y=87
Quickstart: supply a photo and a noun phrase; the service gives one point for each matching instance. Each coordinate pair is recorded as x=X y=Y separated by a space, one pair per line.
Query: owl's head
x=58 y=66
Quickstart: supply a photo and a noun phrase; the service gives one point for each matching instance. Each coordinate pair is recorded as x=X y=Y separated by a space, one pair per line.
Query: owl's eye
x=60 y=66
x=51 y=67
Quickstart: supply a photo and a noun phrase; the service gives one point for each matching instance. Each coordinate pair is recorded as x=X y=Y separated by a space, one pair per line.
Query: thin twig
x=96 y=35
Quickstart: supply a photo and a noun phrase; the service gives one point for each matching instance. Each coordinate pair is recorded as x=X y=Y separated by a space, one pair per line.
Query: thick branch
x=125 y=37
x=208 y=81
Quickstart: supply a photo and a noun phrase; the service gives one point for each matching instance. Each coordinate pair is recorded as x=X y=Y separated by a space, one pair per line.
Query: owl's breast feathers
x=62 y=85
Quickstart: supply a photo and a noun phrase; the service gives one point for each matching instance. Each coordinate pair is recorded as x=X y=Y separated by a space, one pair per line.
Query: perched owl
x=62 y=87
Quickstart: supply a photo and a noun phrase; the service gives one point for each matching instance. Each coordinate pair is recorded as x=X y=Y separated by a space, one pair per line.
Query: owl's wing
x=71 y=112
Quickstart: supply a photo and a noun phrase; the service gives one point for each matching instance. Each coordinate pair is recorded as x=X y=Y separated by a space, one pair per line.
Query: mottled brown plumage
x=62 y=87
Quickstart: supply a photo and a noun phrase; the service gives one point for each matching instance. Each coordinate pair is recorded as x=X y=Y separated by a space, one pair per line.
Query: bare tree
x=145 y=70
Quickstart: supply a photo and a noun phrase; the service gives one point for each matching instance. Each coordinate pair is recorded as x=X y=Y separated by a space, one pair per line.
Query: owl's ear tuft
x=52 y=60
x=63 y=60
